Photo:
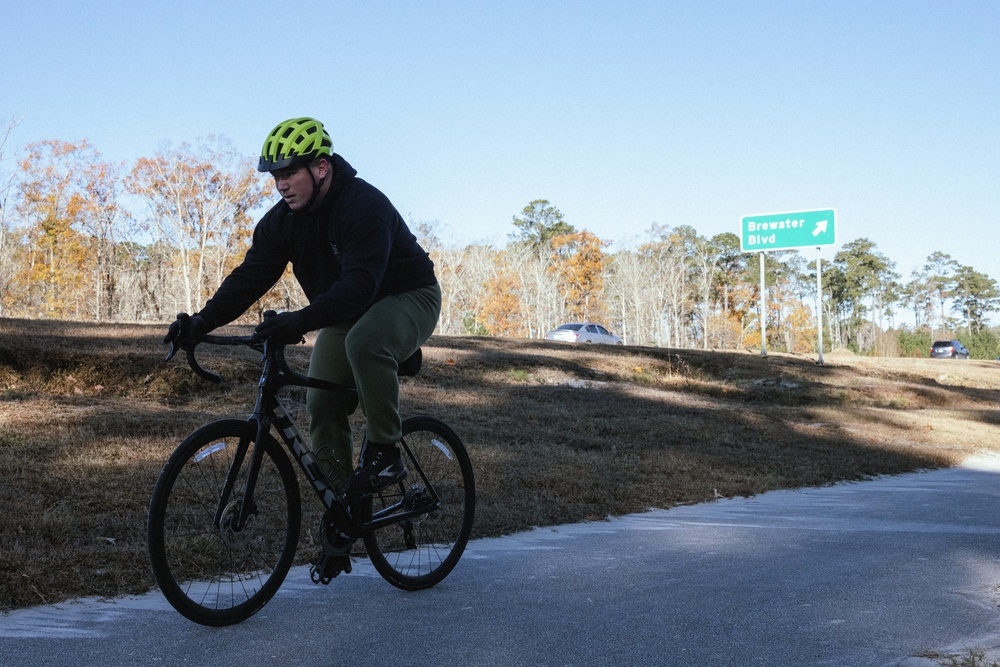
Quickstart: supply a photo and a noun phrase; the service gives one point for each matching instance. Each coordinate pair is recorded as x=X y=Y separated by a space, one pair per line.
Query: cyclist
x=373 y=296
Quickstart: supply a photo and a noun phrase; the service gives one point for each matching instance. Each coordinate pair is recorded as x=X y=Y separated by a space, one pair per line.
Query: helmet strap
x=317 y=185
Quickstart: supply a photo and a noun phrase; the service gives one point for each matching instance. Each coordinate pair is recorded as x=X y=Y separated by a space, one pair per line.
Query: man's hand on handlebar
x=281 y=329
x=186 y=328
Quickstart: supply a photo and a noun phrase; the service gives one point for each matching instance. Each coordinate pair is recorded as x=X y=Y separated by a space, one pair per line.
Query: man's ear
x=323 y=167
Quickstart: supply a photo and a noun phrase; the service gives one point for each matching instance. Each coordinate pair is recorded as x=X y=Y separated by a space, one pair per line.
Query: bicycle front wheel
x=211 y=570
x=419 y=551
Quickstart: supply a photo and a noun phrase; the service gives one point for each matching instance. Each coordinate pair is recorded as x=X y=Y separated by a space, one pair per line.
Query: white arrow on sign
x=820 y=227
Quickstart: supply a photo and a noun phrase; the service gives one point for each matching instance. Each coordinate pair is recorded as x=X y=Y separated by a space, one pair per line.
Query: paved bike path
x=873 y=573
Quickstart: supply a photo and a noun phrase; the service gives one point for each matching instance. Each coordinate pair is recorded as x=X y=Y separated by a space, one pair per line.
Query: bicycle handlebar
x=275 y=352
x=260 y=345
x=189 y=345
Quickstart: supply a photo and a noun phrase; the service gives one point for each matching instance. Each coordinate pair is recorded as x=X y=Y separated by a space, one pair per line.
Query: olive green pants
x=366 y=355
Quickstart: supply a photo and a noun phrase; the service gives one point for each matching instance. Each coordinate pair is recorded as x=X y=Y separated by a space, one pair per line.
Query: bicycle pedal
x=328 y=566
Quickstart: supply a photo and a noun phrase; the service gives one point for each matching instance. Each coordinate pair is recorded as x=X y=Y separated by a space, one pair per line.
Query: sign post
x=819 y=310
x=763 y=308
x=789 y=231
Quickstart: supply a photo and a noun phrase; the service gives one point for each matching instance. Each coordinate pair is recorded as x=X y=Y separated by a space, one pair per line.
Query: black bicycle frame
x=269 y=410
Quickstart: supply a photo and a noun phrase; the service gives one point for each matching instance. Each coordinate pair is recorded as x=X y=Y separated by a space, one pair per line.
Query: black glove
x=282 y=329
x=187 y=327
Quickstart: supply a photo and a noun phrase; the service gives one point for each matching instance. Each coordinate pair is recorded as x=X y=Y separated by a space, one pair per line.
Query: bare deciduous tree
x=199 y=199
x=6 y=235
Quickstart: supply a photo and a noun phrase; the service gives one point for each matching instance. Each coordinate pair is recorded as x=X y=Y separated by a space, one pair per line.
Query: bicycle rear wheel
x=420 y=551
x=216 y=573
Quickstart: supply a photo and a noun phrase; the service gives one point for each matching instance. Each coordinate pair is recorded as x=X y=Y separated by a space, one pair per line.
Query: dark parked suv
x=948 y=349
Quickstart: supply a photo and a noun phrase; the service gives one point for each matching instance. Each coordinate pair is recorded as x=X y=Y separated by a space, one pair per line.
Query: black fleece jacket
x=352 y=251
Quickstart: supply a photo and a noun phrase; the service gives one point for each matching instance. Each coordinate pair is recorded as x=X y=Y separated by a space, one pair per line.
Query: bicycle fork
x=237 y=520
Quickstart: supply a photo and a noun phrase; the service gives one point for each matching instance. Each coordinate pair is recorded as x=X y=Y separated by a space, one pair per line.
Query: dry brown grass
x=558 y=433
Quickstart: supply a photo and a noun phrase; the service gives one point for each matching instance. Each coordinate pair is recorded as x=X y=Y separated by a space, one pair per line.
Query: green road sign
x=782 y=231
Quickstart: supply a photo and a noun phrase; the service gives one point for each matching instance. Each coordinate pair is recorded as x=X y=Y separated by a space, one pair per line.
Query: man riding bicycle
x=373 y=296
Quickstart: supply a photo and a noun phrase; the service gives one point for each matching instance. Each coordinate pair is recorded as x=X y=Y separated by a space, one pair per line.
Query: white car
x=583 y=332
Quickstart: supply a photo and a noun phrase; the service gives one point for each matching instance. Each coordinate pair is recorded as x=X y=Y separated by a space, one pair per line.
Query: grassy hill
x=557 y=433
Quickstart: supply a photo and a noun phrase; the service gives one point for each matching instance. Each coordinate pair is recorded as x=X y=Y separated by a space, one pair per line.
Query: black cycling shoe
x=382 y=470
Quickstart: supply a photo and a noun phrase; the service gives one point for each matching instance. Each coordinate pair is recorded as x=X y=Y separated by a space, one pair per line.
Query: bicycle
x=225 y=514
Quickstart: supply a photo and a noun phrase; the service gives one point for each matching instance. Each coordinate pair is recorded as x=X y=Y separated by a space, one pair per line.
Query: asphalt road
x=883 y=572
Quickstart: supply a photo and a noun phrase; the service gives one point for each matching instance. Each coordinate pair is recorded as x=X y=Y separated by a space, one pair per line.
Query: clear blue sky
x=621 y=113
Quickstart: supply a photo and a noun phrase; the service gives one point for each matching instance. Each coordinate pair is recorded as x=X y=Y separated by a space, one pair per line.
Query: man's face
x=295 y=185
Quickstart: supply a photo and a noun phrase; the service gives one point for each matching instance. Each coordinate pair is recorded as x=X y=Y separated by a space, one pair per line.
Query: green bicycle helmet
x=293 y=142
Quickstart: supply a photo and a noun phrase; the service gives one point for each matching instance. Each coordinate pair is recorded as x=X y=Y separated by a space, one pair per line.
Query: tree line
x=84 y=238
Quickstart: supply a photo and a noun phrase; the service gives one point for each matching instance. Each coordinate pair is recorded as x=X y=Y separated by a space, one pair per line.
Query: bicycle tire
x=218 y=575
x=418 y=553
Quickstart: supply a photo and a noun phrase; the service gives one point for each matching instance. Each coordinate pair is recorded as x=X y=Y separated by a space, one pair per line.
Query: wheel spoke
x=420 y=551
x=217 y=574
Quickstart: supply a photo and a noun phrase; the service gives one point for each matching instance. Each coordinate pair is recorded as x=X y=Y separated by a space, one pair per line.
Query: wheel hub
x=233 y=537
x=418 y=498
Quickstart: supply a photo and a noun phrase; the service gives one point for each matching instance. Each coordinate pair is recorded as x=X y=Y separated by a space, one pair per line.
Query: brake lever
x=173 y=350
x=175 y=343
